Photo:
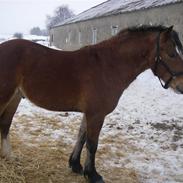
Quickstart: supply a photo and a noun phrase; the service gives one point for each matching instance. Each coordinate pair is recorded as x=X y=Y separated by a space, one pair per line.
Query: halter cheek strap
x=159 y=61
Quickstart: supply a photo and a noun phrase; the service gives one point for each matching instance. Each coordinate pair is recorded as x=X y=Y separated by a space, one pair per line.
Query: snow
x=44 y=40
x=35 y=37
x=55 y=48
x=115 y=7
x=151 y=149
x=159 y=158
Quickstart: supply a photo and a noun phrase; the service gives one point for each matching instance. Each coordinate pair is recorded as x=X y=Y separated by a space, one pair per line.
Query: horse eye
x=172 y=55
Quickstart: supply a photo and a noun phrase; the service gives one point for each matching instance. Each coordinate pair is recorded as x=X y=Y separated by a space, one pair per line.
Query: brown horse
x=90 y=80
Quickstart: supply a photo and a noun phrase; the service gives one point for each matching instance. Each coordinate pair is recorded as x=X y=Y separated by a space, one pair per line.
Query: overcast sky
x=22 y=15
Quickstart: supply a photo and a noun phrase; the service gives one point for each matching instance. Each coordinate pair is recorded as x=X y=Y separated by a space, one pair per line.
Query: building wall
x=76 y=35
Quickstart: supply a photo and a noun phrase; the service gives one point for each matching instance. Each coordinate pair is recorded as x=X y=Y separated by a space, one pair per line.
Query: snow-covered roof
x=112 y=7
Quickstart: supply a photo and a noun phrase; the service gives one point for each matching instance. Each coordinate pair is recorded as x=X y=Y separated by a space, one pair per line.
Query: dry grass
x=47 y=162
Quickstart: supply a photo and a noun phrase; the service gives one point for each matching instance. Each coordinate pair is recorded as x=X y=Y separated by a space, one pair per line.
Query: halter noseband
x=158 y=61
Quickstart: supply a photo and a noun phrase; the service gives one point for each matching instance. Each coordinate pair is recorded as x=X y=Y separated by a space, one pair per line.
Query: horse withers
x=89 y=80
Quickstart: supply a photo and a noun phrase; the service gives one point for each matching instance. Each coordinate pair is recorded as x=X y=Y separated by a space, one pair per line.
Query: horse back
x=56 y=80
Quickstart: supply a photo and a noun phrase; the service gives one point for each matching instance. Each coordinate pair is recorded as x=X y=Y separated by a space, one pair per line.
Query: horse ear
x=169 y=29
x=166 y=33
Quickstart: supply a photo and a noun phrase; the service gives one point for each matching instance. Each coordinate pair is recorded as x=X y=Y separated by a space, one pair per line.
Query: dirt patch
x=171 y=126
x=163 y=126
x=168 y=125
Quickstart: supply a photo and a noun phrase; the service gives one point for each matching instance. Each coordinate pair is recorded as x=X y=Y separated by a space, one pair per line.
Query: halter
x=158 y=61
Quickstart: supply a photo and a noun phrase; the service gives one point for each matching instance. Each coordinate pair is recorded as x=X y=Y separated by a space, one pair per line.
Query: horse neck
x=129 y=58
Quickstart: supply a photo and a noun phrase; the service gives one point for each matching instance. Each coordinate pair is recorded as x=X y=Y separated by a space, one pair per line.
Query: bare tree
x=36 y=31
x=18 y=35
x=60 y=14
x=39 y=32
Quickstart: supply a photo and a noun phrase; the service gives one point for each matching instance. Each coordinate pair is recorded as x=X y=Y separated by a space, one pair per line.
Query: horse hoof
x=77 y=169
x=93 y=177
x=96 y=181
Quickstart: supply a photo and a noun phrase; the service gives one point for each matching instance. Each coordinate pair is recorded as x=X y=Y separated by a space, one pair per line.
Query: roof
x=112 y=7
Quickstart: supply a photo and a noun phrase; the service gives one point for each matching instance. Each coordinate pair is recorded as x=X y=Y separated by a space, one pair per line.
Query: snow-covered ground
x=44 y=40
x=151 y=119
x=144 y=133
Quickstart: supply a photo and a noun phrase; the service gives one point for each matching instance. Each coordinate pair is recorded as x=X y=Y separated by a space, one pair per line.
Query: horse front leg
x=74 y=160
x=94 y=125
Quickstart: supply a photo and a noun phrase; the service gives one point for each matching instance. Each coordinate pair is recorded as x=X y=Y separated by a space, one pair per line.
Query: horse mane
x=153 y=28
x=147 y=28
x=124 y=33
x=142 y=29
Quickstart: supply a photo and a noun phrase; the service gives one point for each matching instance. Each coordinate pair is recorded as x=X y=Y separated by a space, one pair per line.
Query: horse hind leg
x=74 y=161
x=5 y=123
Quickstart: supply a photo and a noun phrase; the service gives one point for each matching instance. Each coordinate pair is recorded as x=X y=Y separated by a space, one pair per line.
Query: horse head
x=168 y=65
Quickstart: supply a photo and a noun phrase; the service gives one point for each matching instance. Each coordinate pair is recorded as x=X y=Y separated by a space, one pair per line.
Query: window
x=68 y=38
x=51 y=39
x=79 y=38
x=114 y=30
x=94 y=36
